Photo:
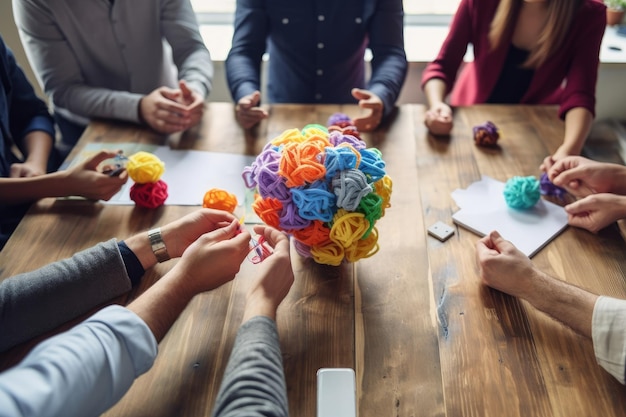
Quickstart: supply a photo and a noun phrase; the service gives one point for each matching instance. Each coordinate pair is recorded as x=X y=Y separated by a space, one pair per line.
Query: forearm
x=435 y=91
x=22 y=190
x=254 y=382
x=577 y=127
x=39 y=301
x=161 y=304
x=38 y=146
x=81 y=372
x=566 y=303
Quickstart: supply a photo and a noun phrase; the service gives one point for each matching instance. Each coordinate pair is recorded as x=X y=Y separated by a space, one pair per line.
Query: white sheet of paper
x=484 y=209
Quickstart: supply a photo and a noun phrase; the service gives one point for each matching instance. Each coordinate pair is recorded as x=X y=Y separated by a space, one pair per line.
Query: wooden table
x=423 y=335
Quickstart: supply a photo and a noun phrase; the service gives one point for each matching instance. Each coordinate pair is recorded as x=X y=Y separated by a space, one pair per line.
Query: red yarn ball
x=149 y=195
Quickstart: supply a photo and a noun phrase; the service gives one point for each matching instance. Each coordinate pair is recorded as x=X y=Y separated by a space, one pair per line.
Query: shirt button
x=318 y=96
x=320 y=72
x=320 y=45
x=321 y=18
x=358 y=20
x=285 y=20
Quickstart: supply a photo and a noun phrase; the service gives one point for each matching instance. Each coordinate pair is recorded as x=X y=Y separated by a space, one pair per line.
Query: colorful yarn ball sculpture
x=548 y=188
x=522 y=192
x=323 y=187
x=146 y=169
x=219 y=199
x=486 y=134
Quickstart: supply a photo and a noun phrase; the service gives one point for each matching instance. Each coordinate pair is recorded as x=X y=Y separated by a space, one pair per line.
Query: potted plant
x=614 y=11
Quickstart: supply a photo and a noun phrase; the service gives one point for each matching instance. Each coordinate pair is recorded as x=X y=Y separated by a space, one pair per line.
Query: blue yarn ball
x=522 y=192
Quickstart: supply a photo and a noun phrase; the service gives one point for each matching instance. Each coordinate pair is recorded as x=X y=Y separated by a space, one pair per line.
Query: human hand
x=368 y=100
x=26 y=170
x=550 y=160
x=596 y=211
x=193 y=101
x=163 y=111
x=84 y=179
x=212 y=260
x=438 y=119
x=503 y=266
x=181 y=233
x=581 y=176
x=274 y=278
x=247 y=111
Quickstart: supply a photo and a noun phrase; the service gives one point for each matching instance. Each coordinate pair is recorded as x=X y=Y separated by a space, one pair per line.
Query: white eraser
x=441 y=231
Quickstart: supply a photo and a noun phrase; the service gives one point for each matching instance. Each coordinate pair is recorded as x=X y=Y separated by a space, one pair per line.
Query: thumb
x=184 y=88
x=360 y=94
x=580 y=206
x=256 y=98
x=95 y=160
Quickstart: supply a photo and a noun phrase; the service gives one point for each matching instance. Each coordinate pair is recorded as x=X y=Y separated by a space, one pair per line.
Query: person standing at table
x=525 y=52
x=316 y=55
x=601 y=318
x=26 y=126
x=139 y=61
x=600 y=187
x=87 y=369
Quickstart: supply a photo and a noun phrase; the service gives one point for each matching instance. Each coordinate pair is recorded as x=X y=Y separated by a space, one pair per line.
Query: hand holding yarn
x=323 y=187
x=149 y=190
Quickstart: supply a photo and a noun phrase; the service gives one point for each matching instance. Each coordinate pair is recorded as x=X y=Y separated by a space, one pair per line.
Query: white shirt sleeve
x=81 y=372
x=608 y=330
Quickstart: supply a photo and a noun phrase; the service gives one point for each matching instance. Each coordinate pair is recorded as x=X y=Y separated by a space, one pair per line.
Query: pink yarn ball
x=149 y=195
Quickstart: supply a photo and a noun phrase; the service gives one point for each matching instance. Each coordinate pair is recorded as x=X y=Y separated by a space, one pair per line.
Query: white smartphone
x=336 y=392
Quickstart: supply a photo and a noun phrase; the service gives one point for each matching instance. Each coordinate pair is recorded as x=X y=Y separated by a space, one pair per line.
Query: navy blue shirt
x=316 y=49
x=21 y=112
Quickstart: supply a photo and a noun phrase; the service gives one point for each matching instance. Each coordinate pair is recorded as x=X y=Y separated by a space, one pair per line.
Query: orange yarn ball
x=150 y=195
x=219 y=199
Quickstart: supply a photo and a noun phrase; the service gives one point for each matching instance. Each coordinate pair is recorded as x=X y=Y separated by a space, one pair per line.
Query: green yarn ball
x=522 y=192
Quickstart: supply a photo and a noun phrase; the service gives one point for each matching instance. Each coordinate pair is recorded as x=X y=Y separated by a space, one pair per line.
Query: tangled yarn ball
x=548 y=188
x=340 y=120
x=219 y=199
x=486 y=134
x=522 y=192
x=323 y=187
x=144 y=167
x=149 y=195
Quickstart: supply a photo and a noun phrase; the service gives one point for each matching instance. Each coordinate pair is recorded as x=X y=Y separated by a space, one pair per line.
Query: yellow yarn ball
x=144 y=167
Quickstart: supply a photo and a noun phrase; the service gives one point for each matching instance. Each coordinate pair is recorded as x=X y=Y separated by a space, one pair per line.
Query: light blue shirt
x=82 y=372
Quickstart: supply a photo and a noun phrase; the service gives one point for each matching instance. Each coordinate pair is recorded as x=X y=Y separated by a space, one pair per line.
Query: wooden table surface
x=423 y=335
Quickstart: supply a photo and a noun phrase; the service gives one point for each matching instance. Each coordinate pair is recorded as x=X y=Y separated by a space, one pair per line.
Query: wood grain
x=424 y=336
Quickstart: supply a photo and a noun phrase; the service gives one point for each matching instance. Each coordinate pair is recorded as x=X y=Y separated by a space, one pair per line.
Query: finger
x=577 y=207
x=360 y=94
x=95 y=160
x=184 y=88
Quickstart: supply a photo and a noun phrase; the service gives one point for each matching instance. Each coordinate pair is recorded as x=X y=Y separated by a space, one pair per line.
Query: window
x=424 y=8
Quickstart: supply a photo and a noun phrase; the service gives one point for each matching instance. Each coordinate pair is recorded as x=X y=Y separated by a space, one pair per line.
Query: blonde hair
x=559 y=21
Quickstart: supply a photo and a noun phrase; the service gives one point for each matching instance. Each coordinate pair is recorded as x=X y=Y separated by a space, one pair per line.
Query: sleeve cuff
x=609 y=335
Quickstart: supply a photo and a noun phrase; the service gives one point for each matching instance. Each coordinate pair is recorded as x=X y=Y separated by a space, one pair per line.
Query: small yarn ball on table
x=325 y=188
x=219 y=199
x=486 y=134
x=522 y=192
x=146 y=169
x=149 y=195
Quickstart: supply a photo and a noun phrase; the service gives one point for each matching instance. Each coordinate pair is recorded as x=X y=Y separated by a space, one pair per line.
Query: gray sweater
x=36 y=302
x=254 y=380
